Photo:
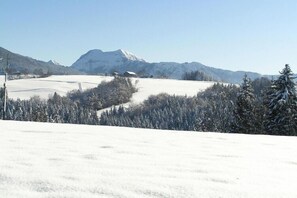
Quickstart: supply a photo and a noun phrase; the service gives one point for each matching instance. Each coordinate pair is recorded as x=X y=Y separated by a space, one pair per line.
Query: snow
x=129 y=55
x=25 y=88
x=54 y=62
x=131 y=73
x=147 y=87
x=43 y=87
x=96 y=61
x=107 y=59
x=63 y=160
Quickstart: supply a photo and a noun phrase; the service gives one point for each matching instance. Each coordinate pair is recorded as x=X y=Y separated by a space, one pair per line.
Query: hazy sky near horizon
x=250 y=35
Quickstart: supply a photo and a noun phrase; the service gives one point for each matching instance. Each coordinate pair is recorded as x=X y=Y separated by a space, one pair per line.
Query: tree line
x=275 y=112
x=210 y=110
x=197 y=75
x=76 y=107
x=261 y=106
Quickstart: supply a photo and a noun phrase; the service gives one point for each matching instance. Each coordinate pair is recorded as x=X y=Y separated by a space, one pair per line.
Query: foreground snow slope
x=43 y=87
x=61 y=160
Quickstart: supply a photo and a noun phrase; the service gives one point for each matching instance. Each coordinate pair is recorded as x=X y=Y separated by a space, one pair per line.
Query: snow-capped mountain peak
x=97 y=58
x=54 y=62
x=128 y=55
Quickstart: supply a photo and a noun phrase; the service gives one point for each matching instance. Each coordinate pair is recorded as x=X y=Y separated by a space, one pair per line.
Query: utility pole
x=5 y=98
x=5 y=89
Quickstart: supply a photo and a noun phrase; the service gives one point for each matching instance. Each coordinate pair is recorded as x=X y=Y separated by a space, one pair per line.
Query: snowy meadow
x=43 y=87
x=63 y=160
x=68 y=160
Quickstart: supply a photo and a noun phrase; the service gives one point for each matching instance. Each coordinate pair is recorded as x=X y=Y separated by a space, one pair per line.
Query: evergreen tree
x=197 y=75
x=244 y=112
x=281 y=115
x=260 y=86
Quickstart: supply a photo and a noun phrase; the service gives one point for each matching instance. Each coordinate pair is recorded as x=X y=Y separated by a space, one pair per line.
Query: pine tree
x=244 y=111
x=281 y=115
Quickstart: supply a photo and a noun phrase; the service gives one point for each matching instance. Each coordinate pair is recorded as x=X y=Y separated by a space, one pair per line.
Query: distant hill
x=96 y=61
x=27 y=65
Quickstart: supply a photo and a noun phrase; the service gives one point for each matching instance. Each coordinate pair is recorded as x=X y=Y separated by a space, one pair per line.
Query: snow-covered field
x=43 y=87
x=25 y=88
x=62 y=160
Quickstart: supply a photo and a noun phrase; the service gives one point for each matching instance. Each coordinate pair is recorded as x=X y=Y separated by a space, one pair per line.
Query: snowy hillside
x=43 y=87
x=97 y=61
x=63 y=160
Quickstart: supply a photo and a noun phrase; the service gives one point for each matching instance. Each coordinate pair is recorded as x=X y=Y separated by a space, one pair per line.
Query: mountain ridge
x=98 y=62
x=103 y=62
x=54 y=62
x=28 y=65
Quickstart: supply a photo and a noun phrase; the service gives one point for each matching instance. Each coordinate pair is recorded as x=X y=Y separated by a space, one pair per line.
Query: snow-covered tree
x=281 y=115
x=245 y=112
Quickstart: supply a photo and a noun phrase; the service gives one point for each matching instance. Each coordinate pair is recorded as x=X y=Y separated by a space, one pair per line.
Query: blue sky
x=251 y=35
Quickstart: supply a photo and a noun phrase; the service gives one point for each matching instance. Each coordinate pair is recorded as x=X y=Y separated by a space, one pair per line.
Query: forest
x=77 y=107
x=261 y=106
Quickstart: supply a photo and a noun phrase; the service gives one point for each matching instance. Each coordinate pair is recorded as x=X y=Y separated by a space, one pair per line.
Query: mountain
x=53 y=62
x=27 y=65
x=96 y=61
